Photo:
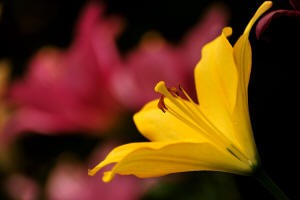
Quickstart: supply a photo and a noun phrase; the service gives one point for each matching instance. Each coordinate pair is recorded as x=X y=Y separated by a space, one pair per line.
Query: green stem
x=267 y=182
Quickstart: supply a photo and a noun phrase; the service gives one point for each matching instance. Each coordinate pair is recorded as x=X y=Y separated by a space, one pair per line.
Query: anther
x=161 y=104
x=185 y=94
x=174 y=91
x=180 y=88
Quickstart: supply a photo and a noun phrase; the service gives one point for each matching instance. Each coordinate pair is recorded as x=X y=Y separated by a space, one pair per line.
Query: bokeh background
x=39 y=165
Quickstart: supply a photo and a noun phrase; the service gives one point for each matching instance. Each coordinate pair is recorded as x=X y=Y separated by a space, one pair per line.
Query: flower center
x=189 y=112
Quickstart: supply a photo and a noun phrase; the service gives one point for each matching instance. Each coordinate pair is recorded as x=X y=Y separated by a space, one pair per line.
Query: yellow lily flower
x=214 y=135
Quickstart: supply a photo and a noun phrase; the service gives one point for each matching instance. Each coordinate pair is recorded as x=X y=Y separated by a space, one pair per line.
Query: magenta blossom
x=281 y=20
x=69 y=181
x=205 y=31
x=68 y=90
x=22 y=188
x=155 y=59
x=152 y=61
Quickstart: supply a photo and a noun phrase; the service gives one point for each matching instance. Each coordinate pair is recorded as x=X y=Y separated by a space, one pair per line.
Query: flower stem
x=267 y=182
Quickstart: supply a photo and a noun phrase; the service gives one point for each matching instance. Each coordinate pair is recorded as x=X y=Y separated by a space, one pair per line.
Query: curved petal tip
x=227 y=31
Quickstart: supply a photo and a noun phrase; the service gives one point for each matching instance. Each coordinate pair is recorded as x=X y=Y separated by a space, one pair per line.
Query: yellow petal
x=242 y=48
x=216 y=73
x=152 y=159
x=240 y=115
x=156 y=125
x=216 y=82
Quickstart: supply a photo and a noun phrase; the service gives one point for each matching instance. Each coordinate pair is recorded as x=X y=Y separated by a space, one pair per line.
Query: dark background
x=26 y=26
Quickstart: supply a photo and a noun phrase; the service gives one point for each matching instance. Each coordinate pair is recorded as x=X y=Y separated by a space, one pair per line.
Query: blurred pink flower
x=155 y=59
x=69 y=90
x=70 y=181
x=20 y=187
x=207 y=29
x=285 y=19
x=152 y=61
x=80 y=89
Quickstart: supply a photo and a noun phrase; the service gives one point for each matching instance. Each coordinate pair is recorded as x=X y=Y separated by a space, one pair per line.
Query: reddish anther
x=180 y=88
x=161 y=104
x=174 y=91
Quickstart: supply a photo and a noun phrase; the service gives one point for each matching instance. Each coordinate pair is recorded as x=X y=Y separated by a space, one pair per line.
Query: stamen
x=232 y=148
x=186 y=94
x=174 y=91
x=202 y=116
x=194 y=126
x=161 y=104
x=195 y=118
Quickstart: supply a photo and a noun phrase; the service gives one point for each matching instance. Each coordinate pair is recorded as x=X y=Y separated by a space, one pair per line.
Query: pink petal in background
x=279 y=18
x=70 y=181
x=271 y=17
x=295 y=4
x=156 y=59
x=68 y=90
x=153 y=60
x=208 y=28
x=22 y=188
